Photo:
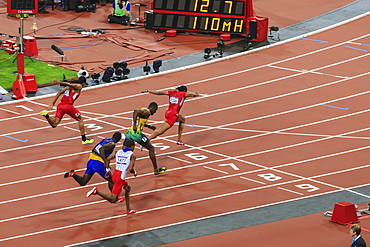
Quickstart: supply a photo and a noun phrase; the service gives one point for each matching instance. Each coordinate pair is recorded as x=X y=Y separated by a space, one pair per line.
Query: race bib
x=66 y=93
x=174 y=100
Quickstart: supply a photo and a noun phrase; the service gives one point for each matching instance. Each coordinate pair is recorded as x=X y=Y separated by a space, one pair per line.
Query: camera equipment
x=95 y=76
x=85 y=5
x=274 y=29
x=123 y=65
x=116 y=65
x=207 y=52
x=221 y=47
x=146 y=68
x=83 y=73
x=156 y=65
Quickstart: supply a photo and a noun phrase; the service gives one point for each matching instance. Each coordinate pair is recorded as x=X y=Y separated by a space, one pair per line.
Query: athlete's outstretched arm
x=155 y=92
x=191 y=94
x=132 y=164
x=76 y=86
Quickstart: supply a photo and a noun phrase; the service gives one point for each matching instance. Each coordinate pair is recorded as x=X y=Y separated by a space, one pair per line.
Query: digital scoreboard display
x=218 y=16
x=22 y=7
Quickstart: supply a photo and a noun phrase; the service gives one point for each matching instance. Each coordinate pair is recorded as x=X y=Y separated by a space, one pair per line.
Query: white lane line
x=309 y=71
x=179 y=159
x=213 y=169
x=291 y=191
x=3 y=109
x=38 y=119
x=38 y=103
x=252 y=180
x=74 y=129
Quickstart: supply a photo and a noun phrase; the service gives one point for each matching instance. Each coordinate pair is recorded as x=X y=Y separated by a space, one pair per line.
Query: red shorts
x=65 y=108
x=118 y=183
x=171 y=117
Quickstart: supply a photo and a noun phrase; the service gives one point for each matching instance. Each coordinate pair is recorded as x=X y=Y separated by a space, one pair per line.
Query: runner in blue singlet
x=98 y=161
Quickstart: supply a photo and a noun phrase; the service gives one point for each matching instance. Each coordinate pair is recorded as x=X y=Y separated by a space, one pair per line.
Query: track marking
x=291 y=191
x=15 y=138
x=354 y=48
x=307 y=71
x=38 y=119
x=213 y=169
x=341 y=108
x=179 y=159
x=358 y=43
x=321 y=41
x=24 y=107
x=10 y=111
x=252 y=180
x=74 y=129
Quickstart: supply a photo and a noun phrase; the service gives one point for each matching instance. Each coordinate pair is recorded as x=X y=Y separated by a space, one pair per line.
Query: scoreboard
x=22 y=7
x=218 y=16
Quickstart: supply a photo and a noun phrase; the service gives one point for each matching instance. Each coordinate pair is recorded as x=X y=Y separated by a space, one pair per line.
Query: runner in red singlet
x=172 y=115
x=70 y=94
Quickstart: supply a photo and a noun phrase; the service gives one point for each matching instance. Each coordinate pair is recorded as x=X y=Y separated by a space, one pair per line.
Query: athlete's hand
x=107 y=173
x=133 y=172
x=50 y=107
x=152 y=127
x=55 y=82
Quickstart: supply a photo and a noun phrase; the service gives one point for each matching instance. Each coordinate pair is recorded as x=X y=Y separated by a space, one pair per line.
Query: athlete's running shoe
x=44 y=113
x=160 y=171
x=88 y=141
x=69 y=174
x=92 y=192
x=120 y=199
x=132 y=211
x=180 y=143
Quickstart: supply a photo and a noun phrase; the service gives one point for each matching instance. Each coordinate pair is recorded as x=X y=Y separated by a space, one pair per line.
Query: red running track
x=264 y=134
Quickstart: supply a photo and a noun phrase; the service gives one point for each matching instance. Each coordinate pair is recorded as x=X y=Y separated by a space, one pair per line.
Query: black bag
x=108 y=73
x=123 y=20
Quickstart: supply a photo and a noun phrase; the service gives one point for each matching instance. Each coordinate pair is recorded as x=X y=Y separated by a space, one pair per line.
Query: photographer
x=121 y=12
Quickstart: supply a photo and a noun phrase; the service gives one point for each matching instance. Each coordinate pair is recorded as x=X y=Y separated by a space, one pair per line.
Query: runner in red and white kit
x=70 y=94
x=125 y=161
x=172 y=115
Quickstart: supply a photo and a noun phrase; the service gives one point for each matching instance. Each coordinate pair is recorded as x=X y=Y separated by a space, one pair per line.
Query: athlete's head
x=116 y=137
x=182 y=88
x=153 y=107
x=81 y=80
x=129 y=143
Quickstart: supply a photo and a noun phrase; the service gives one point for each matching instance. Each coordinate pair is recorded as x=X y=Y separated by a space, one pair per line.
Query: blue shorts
x=95 y=166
